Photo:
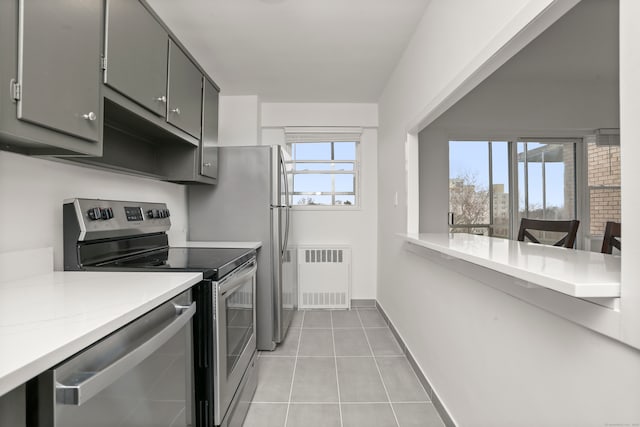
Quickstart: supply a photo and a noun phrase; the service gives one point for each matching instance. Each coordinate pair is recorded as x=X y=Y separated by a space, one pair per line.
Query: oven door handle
x=237 y=279
x=92 y=383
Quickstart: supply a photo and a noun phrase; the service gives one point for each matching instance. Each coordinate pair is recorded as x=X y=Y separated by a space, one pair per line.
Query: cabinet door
x=136 y=54
x=185 y=92
x=59 y=65
x=209 y=143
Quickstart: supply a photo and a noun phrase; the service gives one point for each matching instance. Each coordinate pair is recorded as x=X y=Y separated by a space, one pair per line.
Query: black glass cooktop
x=214 y=263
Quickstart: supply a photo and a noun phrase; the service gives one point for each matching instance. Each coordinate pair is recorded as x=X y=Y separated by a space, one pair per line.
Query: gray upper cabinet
x=136 y=55
x=59 y=66
x=184 y=93
x=209 y=142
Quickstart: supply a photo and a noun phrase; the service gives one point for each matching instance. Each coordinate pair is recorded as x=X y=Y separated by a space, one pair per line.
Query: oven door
x=236 y=333
x=141 y=375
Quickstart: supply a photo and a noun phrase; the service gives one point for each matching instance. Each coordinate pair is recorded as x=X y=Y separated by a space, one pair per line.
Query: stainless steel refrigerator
x=251 y=202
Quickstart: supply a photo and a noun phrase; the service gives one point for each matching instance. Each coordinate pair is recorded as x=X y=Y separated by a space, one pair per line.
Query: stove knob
x=150 y=213
x=107 y=213
x=94 y=214
x=168 y=213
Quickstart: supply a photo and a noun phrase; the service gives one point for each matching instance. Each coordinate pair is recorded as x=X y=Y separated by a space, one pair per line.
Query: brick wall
x=603 y=170
x=568 y=157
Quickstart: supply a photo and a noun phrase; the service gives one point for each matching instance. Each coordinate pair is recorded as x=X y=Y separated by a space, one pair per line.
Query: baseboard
x=355 y=303
x=433 y=395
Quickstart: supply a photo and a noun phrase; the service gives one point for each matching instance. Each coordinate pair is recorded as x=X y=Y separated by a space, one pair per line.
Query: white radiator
x=324 y=277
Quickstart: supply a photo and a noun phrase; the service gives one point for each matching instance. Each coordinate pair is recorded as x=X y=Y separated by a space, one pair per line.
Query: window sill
x=576 y=273
x=326 y=208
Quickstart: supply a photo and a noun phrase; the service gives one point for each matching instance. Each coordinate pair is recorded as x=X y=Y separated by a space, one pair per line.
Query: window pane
x=345 y=200
x=469 y=181
x=557 y=196
x=323 y=166
x=534 y=189
x=500 y=171
x=312 y=200
x=345 y=183
x=480 y=231
x=522 y=206
x=322 y=169
x=312 y=151
x=549 y=190
x=304 y=183
x=343 y=166
x=313 y=166
x=344 y=150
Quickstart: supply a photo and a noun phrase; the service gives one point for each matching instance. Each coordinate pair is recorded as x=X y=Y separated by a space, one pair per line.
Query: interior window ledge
x=580 y=286
x=580 y=274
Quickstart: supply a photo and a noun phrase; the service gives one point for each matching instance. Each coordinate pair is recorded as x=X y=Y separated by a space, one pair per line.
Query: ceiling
x=295 y=50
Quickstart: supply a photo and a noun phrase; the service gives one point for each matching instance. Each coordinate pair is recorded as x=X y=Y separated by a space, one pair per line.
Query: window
x=479 y=187
x=541 y=176
x=324 y=169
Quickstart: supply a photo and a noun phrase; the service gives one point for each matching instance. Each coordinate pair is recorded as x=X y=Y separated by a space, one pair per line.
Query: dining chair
x=570 y=227
x=612 y=234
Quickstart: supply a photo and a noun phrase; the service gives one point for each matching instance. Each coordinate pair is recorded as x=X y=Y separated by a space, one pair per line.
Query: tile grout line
x=293 y=376
x=335 y=362
x=379 y=372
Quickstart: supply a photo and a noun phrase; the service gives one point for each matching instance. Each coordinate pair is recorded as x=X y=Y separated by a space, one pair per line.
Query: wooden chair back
x=570 y=228
x=612 y=234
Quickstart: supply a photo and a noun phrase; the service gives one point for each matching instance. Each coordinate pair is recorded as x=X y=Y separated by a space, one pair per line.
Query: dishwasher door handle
x=86 y=385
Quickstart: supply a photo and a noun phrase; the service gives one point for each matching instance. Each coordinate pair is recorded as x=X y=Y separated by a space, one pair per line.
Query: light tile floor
x=339 y=369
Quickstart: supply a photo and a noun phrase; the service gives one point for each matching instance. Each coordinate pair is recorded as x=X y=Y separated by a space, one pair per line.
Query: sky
x=473 y=157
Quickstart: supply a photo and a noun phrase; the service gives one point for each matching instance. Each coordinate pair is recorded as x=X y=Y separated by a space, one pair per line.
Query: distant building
x=500 y=211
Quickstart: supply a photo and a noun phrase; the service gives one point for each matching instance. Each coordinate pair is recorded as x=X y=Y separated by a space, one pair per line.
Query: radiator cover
x=324 y=277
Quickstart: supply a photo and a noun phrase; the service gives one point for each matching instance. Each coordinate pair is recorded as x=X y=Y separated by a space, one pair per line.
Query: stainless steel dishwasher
x=141 y=375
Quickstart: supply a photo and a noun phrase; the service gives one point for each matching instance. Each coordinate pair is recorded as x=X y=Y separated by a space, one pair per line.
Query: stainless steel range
x=109 y=235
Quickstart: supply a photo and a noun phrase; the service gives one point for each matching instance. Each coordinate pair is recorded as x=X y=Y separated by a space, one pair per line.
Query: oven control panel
x=108 y=218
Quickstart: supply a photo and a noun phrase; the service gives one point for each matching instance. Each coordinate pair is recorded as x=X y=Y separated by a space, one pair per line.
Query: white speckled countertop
x=577 y=273
x=47 y=317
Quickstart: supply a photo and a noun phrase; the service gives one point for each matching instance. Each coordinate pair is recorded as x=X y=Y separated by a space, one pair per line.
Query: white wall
x=239 y=120
x=552 y=88
x=492 y=359
x=32 y=191
x=630 y=153
x=353 y=227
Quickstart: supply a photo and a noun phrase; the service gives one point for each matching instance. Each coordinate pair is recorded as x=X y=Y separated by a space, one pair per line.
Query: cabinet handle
x=90 y=116
x=162 y=99
x=175 y=110
x=207 y=165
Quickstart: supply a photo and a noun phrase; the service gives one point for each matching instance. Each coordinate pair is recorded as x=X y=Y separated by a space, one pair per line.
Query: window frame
x=357 y=190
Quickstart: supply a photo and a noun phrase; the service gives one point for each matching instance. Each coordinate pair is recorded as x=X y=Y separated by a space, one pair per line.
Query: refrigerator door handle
x=286 y=233
x=285 y=177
